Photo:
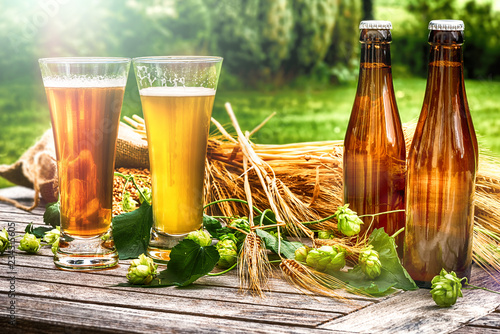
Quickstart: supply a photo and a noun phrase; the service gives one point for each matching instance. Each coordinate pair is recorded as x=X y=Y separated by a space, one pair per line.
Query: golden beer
x=177 y=123
x=177 y=95
x=85 y=124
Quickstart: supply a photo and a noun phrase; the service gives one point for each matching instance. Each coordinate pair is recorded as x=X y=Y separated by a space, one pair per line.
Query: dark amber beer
x=374 y=145
x=85 y=97
x=85 y=124
x=442 y=166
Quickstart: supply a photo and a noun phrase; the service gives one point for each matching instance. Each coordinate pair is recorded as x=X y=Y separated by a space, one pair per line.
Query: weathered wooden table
x=43 y=299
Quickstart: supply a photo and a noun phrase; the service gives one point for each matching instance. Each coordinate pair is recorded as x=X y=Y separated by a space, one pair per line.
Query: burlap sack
x=37 y=168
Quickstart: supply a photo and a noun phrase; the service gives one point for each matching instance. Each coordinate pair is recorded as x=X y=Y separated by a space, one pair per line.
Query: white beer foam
x=84 y=82
x=177 y=91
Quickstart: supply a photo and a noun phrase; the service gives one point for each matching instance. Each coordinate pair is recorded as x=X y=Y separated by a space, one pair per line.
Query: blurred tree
x=342 y=56
x=482 y=40
x=254 y=36
x=367 y=9
x=482 y=36
x=273 y=40
x=314 y=27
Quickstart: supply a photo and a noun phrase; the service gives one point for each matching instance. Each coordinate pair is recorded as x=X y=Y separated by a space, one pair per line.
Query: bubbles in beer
x=177 y=91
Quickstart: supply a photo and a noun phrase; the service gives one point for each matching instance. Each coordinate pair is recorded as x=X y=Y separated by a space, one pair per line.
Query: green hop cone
x=318 y=258
x=348 y=222
x=142 y=270
x=229 y=236
x=201 y=237
x=275 y=234
x=325 y=234
x=327 y=251
x=29 y=243
x=228 y=257
x=301 y=253
x=55 y=246
x=370 y=263
x=147 y=193
x=228 y=252
x=52 y=235
x=228 y=244
x=446 y=288
x=4 y=240
x=337 y=262
x=128 y=203
x=241 y=223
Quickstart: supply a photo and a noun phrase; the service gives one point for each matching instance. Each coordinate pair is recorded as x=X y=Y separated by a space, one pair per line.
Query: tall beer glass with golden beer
x=85 y=98
x=177 y=95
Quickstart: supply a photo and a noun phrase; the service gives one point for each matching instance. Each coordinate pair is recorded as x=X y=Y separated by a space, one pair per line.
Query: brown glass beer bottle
x=374 y=145
x=442 y=166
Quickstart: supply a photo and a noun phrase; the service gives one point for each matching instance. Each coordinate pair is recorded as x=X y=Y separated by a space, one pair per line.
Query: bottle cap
x=447 y=25
x=375 y=24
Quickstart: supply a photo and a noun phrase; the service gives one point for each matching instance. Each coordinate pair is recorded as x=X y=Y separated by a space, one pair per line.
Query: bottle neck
x=445 y=74
x=375 y=55
x=375 y=76
x=375 y=48
x=446 y=59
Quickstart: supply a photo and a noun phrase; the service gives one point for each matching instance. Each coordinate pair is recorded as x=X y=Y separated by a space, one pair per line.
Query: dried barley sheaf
x=254 y=268
x=303 y=182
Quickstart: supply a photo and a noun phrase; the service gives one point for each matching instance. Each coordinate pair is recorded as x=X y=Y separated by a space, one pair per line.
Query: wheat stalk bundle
x=302 y=182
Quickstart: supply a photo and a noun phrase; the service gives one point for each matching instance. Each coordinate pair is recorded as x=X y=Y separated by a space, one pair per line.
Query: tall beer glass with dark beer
x=177 y=95
x=85 y=98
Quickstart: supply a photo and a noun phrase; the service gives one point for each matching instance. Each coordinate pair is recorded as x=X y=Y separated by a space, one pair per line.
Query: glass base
x=86 y=253
x=161 y=244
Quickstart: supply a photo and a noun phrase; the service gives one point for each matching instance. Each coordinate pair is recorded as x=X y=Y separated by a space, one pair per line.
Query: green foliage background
x=296 y=57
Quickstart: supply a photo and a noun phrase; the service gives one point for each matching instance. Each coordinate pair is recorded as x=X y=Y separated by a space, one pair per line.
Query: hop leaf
x=4 y=241
x=128 y=203
x=201 y=237
x=446 y=288
x=370 y=263
x=349 y=223
x=301 y=253
x=29 y=244
x=142 y=270
x=51 y=236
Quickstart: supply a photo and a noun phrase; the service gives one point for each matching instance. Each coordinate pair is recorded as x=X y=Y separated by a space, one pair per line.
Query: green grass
x=302 y=115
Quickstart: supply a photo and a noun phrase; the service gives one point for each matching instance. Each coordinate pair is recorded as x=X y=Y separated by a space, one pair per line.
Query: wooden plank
x=229 y=280
x=146 y=299
x=491 y=320
x=9 y=208
x=40 y=315
x=476 y=330
x=21 y=194
x=416 y=312
x=21 y=217
x=276 y=299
